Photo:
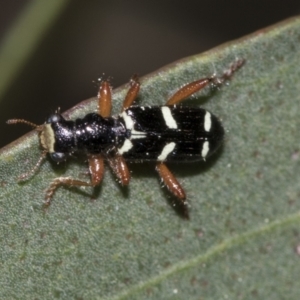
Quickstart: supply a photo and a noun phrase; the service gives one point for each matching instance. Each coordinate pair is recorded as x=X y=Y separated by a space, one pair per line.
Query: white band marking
x=126 y=147
x=129 y=123
x=207 y=121
x=128 y=120
x=170 y=121
x=205 y=149
x=166 y=151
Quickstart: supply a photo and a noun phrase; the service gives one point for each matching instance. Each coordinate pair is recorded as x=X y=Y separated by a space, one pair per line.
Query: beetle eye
x=58 y=156
x=54 y=118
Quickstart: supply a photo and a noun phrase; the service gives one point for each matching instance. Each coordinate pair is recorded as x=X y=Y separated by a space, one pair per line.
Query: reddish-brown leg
x=195 y=86
x=187 y=90
x=132 y=92
x=170 y=181
x=96 y=168
x=104 y=99
x=57 y=182
x=119 y=167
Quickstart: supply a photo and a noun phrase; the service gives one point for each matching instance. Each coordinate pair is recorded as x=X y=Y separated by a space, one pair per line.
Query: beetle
x=168 y=133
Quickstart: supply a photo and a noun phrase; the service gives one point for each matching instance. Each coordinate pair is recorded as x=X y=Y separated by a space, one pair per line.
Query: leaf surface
x=242 y=240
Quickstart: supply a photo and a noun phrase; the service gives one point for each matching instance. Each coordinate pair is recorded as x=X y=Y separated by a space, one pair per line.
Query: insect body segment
x=168 y=133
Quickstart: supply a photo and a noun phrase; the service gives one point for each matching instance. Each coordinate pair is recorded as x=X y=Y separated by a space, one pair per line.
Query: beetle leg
x=26 y=175
x=132 y=92
x=170 y=181
x=174 y=187
x=187 y=90
x=227 y=74
x=119 y=167
x=96 y=168
x=57 y=182
x=195 y=86
x=104 y=99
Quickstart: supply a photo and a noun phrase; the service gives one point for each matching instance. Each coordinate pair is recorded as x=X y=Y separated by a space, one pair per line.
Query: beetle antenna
x=26 y=175
x=15 y=121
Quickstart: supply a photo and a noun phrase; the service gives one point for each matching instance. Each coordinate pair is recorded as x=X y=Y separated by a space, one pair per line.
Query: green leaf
x=243 y=238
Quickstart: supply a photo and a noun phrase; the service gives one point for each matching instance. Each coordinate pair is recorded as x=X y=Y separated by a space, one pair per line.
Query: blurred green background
x=118 y=38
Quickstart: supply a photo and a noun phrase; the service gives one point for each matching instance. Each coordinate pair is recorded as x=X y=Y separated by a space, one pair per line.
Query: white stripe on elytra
x=126 y=147
x=166 y=151
x=205 y=149
x=207 y=121
x=129 y=123
x=170 y=121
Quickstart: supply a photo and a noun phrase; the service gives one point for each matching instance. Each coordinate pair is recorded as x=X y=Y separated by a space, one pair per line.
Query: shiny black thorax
x=93 y=134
